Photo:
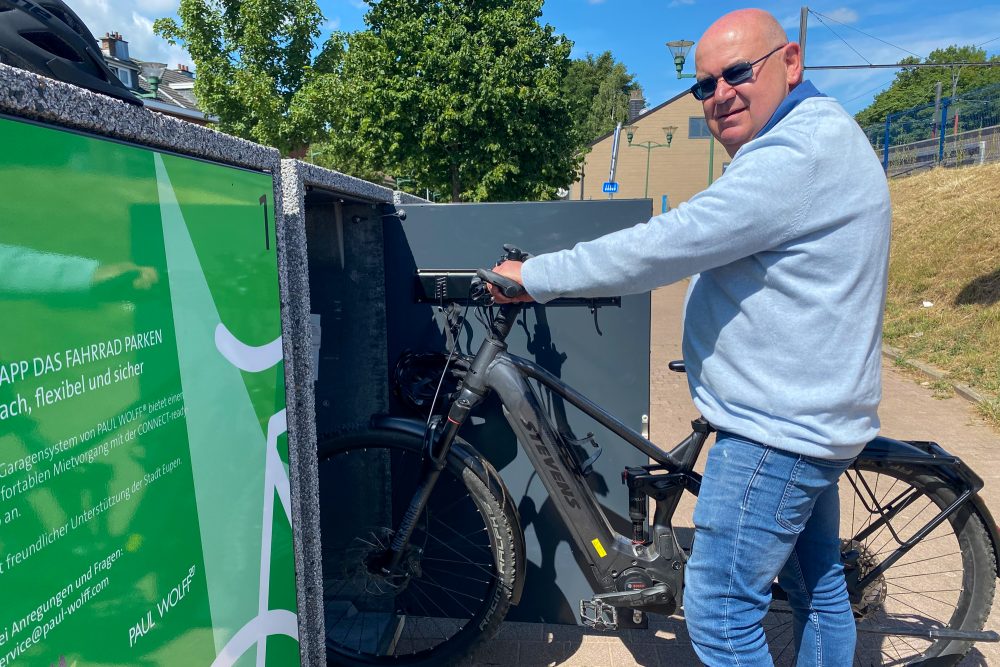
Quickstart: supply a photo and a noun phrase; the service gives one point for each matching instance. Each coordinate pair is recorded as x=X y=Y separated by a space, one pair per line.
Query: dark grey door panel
x=612 y=369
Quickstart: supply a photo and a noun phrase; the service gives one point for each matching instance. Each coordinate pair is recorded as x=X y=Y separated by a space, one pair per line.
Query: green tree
x=254 y=67
x=464 y=96
x=598 y=90
x=916 y=85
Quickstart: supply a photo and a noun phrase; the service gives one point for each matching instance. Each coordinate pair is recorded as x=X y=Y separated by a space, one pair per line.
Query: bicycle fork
x=437 y=448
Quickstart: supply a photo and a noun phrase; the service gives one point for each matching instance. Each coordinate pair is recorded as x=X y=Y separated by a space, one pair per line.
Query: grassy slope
x=946 y=250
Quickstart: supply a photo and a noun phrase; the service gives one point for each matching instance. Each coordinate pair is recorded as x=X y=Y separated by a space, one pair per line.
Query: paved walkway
x=908 y=411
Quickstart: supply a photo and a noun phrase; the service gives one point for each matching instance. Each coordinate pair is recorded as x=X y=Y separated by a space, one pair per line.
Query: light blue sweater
x=783 y=321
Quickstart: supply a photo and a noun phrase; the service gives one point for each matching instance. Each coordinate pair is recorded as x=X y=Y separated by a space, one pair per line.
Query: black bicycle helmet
x=46 y=37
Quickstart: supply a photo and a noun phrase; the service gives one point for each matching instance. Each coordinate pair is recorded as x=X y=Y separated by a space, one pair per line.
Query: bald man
x=782 y=336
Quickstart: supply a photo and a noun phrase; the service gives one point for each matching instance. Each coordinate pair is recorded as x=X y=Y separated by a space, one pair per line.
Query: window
x=123 y=74
x=698 y=128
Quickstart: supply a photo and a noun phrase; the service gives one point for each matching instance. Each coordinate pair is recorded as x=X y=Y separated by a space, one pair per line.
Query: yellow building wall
x=680 y=171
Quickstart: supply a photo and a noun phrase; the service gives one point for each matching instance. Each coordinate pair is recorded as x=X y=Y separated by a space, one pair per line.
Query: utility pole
x=803 y=20
x=954 y=85
x=937 y=110
x=614 y=156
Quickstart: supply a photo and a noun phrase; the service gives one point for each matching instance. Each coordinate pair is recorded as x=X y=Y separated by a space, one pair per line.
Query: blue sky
x=635 y=32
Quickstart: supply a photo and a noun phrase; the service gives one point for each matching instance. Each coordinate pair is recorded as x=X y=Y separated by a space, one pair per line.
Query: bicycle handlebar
x=507 y=287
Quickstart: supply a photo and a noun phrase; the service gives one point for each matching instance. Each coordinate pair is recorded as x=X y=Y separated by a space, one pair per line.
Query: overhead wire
x=881 y=85
x=820 y=17
x=823 y=16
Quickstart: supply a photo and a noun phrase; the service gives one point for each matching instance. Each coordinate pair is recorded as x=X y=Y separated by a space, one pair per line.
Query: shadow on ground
x=984 y=290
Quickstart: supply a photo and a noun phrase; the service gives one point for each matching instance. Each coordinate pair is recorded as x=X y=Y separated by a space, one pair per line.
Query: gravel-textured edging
x=963 y=390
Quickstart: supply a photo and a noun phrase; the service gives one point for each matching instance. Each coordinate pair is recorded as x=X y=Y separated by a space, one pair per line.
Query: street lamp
x=153 y=73
x=649 y=146
x=679 y=49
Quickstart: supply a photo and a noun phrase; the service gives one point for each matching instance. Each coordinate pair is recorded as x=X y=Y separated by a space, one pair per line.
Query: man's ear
x=793 y=64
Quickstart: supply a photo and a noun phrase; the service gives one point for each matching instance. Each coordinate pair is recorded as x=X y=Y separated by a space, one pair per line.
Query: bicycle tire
x=947 y=580
x=461 y=564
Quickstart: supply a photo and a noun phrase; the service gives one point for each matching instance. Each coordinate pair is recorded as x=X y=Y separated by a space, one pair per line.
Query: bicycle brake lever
x=478 y=292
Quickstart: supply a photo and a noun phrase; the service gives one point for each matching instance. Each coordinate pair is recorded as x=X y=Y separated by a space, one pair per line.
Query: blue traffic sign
x=610 y=187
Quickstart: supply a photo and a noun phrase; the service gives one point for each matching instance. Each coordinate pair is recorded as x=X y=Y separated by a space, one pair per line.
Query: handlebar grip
x=508 y=287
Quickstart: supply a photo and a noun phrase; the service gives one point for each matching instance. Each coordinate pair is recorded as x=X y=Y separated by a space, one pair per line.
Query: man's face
x=736 y=113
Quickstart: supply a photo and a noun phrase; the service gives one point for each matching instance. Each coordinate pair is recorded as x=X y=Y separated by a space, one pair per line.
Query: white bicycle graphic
x=268 y=622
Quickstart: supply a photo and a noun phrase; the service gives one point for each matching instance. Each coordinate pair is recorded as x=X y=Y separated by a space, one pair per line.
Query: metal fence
x=960 y=131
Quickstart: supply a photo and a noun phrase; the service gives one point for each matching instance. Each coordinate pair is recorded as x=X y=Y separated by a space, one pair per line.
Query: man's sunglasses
x=734 y=76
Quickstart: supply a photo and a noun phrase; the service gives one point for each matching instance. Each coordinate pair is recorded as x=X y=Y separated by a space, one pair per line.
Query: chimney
x=114 y=46
x=636 y=103
x=185 y=70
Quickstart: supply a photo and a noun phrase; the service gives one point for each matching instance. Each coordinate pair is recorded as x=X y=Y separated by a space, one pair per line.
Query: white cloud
x=844 y=15
x=789 y=21
x=856 y=88
x=678 y=3
x=158 y=7
x=134 y=20
x=331 y=25
x=595 y=2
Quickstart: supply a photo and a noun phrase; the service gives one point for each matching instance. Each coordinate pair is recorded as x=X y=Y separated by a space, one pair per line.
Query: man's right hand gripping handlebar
x=504 y=282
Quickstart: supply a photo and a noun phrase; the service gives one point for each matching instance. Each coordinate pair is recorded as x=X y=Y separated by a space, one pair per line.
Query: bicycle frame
x=608 y=553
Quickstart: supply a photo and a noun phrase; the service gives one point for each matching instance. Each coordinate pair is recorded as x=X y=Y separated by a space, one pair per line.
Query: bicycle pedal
x=599 y=615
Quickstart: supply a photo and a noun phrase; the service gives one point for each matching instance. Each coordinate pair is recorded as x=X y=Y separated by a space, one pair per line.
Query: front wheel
x=946 y=581
x=457 y=575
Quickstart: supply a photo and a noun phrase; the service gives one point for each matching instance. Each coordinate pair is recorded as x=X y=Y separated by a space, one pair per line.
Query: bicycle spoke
x=433 y=619
x=925 y=574
x=907 y=640
x=477 y=565
x=453 y=574
x=937 y=590
x=924 y=560
x=920 y=612
x=784 y=629
x=896 y=532
x=449 y=591
x=445 y=575
x=467 y=536
x=444 y=510
x=890 y=504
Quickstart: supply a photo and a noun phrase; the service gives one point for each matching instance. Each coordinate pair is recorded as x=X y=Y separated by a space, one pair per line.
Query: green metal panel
x=144 y=513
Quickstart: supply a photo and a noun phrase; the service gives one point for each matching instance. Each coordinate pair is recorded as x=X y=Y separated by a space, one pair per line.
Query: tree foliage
x=254 y=66
x=462 y=96
x=597 y=89
x=915 y=86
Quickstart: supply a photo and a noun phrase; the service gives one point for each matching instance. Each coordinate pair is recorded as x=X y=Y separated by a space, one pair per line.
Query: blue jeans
x=764 y=513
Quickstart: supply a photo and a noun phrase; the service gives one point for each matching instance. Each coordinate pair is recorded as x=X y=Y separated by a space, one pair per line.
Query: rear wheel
x=946 y=580
x=454 y=586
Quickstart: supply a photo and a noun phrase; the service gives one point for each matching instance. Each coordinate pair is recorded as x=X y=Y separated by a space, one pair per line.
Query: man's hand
x=509 y=269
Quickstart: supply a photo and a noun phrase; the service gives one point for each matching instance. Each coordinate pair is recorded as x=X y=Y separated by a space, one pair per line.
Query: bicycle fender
x=924 y=453
x=464 y=454
x=416 y=428
x=934 y=456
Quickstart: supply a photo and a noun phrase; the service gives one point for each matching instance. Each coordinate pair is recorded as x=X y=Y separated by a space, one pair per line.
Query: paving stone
x=542 y=654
